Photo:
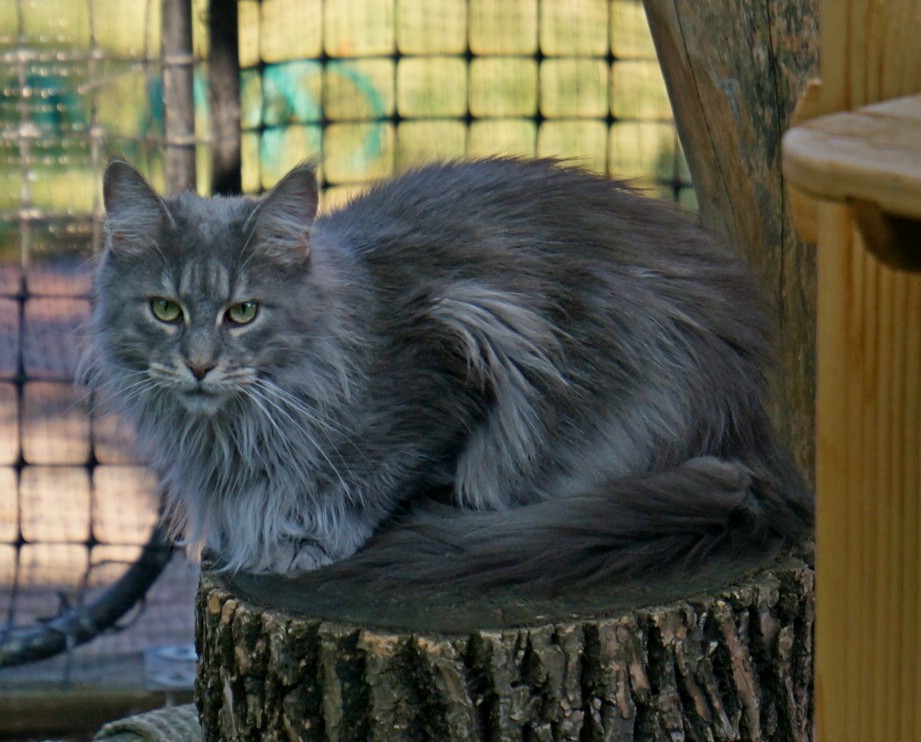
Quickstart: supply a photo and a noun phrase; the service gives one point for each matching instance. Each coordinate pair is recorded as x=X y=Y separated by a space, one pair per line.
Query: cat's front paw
x=308 y=556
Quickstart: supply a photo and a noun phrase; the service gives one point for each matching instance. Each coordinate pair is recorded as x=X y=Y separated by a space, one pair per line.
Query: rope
x=169 y=724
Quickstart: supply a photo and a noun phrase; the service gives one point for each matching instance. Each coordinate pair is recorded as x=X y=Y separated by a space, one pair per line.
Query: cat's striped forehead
x=214 y=225
x=204 y=274
x=207 y=252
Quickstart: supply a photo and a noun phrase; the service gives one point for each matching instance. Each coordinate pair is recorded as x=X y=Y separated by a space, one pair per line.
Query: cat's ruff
x=579 y=368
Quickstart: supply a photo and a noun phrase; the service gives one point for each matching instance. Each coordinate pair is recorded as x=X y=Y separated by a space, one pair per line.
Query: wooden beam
x=40 y=712
x=178 y=95
x=734 y=72
x=224 y=86
x=870 y=154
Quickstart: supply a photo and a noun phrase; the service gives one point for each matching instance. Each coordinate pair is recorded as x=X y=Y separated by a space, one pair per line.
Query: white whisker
x=323 y=424
x=300 y=406
x=259 y=391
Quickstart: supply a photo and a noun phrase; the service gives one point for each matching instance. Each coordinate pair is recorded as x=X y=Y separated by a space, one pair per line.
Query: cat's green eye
x=165 y=310
x=243 y=313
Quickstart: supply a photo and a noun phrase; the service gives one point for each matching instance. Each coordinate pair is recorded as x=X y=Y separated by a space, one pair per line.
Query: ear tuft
x=134 y=212
x=282 y=221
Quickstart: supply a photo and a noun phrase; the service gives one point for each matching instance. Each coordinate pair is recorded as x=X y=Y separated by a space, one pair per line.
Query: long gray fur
x=498 y=371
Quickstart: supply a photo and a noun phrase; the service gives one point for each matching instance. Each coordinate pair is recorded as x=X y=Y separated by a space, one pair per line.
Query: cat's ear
x=135 y=214
x=282 y=221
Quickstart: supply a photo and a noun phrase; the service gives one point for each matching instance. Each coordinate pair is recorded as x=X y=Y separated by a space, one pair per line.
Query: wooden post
x=734 y=71
x=869 y=373
x=178 y=95
x=224 y=85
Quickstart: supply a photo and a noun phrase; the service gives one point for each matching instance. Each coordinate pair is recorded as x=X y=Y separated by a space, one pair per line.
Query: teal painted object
x=286 y=93
x=274 y=99
x=288 y=98
x=53 y=106
x=152 y=122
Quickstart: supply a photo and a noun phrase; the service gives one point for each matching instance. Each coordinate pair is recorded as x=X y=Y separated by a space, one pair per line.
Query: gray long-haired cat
x=496 y=371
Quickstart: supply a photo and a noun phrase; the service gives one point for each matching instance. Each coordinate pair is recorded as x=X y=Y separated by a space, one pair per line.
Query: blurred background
x=368 y=86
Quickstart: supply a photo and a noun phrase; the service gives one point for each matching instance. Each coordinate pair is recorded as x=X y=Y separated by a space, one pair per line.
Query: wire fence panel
x=374 y=86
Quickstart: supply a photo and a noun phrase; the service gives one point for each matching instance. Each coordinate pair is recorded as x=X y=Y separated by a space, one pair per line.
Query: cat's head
x=199 y=302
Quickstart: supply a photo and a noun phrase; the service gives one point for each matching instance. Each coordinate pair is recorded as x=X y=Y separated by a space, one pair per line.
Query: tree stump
x=724 y=654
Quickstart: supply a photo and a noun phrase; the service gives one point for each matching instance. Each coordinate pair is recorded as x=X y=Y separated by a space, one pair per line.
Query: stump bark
x=293 y=659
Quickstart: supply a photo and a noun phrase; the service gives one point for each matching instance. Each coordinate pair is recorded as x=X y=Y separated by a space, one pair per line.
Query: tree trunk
x=734 y=72
x=178 y=96
x=224 y=89
x=285 y=660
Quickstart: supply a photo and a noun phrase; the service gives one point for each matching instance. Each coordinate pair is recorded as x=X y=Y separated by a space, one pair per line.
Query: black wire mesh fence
x=374 y=86
x=368 y=86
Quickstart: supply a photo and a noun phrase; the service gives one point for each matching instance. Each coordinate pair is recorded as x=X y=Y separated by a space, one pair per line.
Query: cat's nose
x=200 y=370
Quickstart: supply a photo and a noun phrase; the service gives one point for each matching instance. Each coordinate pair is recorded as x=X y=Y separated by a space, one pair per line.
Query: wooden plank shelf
x=871 y=154
x=869 y=158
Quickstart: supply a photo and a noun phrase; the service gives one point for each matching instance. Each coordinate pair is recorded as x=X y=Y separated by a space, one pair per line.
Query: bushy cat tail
x=637 y=526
